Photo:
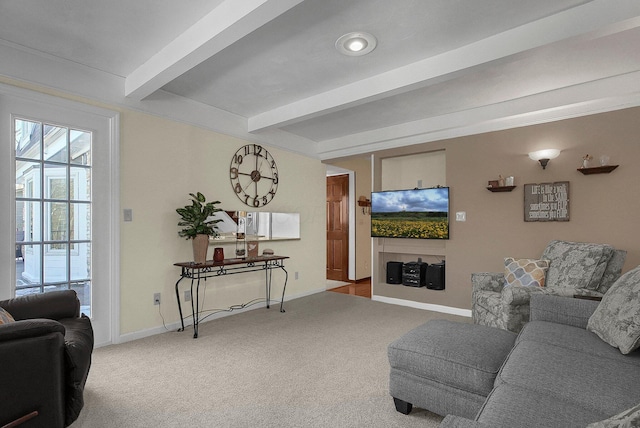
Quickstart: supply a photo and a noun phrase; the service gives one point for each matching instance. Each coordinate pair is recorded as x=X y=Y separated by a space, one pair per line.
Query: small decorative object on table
x=218 y=254
x=252 y=249
x=267 y=252
x=586 y=159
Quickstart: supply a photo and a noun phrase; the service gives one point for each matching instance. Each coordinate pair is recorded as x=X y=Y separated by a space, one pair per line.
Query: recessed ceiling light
x=356 y=43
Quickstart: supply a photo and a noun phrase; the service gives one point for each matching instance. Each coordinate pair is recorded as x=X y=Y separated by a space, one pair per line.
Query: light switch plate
x=128 y=214
x=461 y=216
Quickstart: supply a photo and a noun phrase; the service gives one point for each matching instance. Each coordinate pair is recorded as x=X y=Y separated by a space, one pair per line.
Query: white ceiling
x=268 y=71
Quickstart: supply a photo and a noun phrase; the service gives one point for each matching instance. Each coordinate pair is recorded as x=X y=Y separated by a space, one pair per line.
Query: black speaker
x=394 y=272
x=434 y=277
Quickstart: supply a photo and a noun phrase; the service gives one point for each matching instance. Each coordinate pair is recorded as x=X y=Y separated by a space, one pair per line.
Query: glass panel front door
x=53 y=209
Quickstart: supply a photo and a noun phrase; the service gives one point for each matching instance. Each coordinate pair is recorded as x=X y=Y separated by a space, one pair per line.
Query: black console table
x=210 y=269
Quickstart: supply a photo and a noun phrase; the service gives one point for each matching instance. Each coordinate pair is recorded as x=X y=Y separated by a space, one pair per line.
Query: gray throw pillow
x=629 y=418
x=576 y=264
x=616 y=320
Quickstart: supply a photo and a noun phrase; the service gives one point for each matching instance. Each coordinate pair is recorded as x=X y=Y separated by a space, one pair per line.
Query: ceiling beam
x=598 y=96
x=220 y=28
x=587 y=20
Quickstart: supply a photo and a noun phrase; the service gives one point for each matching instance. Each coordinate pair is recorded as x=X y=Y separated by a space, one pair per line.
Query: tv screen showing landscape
x=415 y=213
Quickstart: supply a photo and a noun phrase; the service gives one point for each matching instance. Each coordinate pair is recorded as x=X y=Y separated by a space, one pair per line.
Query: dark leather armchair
x=45 y=357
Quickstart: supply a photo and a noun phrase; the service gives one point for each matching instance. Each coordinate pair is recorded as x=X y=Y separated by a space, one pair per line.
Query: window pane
x=80 y=261
x=28 y=179
x=80 y=227
x=55 y=143
x=55 y=287
x=28 y=139
x=80 y=187
x=56 y=228
x=55 y=182
x=21 y=291
x=80 y=147
x=83 y=290
x=28 y=221
x=30 y=269
x=55 y=264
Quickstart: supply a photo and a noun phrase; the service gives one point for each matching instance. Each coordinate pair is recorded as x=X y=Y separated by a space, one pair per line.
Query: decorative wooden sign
x=546 y=201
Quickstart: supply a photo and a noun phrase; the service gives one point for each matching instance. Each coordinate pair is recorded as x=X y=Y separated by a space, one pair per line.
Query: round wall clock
x=254 y=175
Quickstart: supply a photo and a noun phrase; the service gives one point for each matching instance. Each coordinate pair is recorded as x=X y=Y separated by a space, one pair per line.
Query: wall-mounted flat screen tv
x=414 y=213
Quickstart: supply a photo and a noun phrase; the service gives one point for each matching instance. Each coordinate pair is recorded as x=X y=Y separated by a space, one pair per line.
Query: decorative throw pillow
x=627 y=419
x=616 y=320
x=525 y=272
x=612 y=271
x=5 y=317
x=576 y=264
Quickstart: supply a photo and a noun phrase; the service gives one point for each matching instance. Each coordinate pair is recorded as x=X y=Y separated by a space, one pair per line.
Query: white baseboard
x=425 y=306
x=140 y=334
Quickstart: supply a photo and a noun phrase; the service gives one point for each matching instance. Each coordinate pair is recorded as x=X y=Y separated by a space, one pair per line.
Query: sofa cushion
x=525 y=272
x=580 y=380
x=616 y=320
x=5 y=317
x=52 y=305
x=576 y=264
x=511 y=406
x=627 y=419
x=575 y=339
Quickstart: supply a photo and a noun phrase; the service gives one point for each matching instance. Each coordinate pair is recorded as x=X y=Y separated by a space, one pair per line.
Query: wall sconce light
x=365 y=204
x=544 y=156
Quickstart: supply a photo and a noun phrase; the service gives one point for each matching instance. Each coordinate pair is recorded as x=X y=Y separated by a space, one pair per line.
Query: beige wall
x=604 y=208
x=422 y=170
x=161 y=162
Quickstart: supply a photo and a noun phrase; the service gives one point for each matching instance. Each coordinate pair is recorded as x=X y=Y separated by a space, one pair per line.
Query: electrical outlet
x=187 y=295
x=156 y=298
x=296 y=276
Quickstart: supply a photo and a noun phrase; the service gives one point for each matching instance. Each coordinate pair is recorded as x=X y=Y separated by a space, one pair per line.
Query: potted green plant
x=198 y=224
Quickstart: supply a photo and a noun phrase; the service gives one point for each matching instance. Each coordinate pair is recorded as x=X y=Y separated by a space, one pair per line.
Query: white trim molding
x=424 y=306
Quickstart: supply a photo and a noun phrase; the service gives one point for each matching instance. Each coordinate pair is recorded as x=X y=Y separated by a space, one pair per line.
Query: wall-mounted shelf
x=598 y=169
x=501 y=188
x=365 y=204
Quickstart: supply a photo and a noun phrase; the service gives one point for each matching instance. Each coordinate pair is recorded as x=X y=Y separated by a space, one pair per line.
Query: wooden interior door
x=338 y=227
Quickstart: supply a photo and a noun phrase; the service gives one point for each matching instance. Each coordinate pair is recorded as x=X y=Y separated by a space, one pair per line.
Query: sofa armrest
x=451 y=421
x=54 y=305
x=519 y=295
x=25 y=329
x=78 y=349
x=562 y=310
x=487 y=281
x=32 y=372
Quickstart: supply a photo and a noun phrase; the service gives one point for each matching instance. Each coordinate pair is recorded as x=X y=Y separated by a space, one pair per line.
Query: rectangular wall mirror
x=259 y=226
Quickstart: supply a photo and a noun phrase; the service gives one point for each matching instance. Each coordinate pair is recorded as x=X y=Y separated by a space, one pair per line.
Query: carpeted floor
x=323 y=363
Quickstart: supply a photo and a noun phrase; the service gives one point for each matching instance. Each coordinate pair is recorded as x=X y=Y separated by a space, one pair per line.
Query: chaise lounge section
x=574 y=364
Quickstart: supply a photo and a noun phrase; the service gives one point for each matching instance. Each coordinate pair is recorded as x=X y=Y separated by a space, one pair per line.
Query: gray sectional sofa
x=555 y=373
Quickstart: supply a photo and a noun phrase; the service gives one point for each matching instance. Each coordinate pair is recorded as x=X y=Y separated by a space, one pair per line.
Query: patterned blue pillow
x=525 y=272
